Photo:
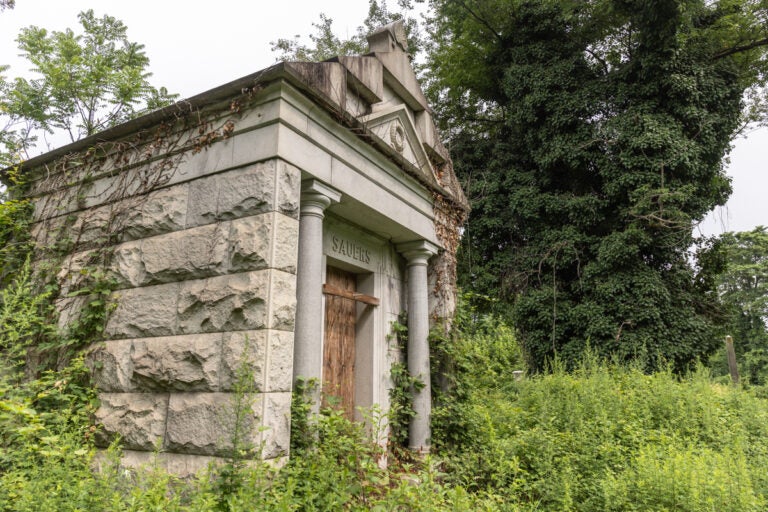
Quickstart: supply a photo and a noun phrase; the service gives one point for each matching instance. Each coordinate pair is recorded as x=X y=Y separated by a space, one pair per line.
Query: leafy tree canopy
x=743 y=288
x=745 y=281
x=590 y=136
x=84 y=83
x=326 y=44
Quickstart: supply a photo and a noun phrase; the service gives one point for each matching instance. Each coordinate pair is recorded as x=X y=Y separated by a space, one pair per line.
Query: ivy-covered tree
x=85 y=82
x=590 y=136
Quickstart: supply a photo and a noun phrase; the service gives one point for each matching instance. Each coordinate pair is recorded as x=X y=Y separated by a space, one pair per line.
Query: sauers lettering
x=350 y=249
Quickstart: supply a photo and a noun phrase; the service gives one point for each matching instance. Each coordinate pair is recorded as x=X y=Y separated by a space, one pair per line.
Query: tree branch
x=741 y=48
x=481 y=20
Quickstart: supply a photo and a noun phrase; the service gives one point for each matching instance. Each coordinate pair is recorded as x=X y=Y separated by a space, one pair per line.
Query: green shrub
x=606 y=437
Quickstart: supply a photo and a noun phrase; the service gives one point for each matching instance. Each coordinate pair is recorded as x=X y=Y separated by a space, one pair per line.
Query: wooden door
x=339 y=344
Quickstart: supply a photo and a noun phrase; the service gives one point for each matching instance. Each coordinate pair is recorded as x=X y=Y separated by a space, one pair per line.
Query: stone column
x=417 y=254
x=308 y=344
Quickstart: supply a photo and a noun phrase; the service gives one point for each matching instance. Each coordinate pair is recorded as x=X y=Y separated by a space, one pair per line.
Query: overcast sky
x=194 y=46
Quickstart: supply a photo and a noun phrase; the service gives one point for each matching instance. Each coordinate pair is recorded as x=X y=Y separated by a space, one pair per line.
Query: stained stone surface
x=144 y=312
x=203 y=199
x=246 y=191
x=227 y=303
x=180 y=464
x=181 y=363
x=207 y=423
x=243 y=349
x=126 y=265
x=173 y=363
x=282 y=301
x=277 y=420
x=138 y=418
x=280 y=365
x=189 y=254
x=251 y=241
x=241 y=192
x=286 y=251
x=163 y=211
x=288 y=191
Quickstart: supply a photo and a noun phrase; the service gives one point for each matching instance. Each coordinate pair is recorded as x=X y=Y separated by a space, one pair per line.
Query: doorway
x=339 y=344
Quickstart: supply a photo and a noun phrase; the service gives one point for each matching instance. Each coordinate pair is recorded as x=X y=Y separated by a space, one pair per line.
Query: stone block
x=91 y=226
x=181 y=465
x=174 y=363
x=208 y=160
x=137 y=418
x=246 y=191
x=256 y=145
x=225 y=303
x=69 y=309
x=280 y=367
x=178 y=363
x=111 y=366
x=48 y=233
x=70 y=271
x=282 y=301
x=250 y=240
x=189 y=254
x=286 y=252
x=144 y=312
x=207 y=423
x=126 y=265
x=178 y=464
x=203 y=200
x=100 y=191
x=243 y=350
x=276 y=438
x=54 y=203
x=288 y=189
x=161 y=211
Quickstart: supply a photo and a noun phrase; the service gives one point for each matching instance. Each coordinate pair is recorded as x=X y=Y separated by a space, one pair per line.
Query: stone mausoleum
x=285 y=220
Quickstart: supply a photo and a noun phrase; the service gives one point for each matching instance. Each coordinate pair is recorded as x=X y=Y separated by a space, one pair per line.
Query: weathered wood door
x=339 y=344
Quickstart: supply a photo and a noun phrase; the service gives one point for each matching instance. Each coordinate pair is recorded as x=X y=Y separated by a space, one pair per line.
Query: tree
x=743 y=288
x=590 y=136
x=325 y=44
x=85 y=83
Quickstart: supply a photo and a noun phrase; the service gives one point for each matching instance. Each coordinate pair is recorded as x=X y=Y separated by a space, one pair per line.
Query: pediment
x=394 y=127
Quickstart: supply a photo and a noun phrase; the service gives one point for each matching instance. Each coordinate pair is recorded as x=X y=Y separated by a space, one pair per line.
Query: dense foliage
x=611 y=438
x=590 y=137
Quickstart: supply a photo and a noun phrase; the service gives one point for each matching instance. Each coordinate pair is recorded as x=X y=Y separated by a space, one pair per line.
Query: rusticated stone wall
x=206 y=272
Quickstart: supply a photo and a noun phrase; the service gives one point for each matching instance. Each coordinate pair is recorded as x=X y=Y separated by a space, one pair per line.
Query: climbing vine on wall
x=67 y=216
x=450 y=213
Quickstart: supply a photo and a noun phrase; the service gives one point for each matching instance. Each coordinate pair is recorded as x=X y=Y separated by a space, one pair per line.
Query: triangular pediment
x=395 y=128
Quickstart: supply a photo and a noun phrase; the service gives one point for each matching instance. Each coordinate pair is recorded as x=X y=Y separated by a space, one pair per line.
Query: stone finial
x=389 y=38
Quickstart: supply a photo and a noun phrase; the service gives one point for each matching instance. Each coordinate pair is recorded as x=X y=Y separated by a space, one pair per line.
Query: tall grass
x=606 y=437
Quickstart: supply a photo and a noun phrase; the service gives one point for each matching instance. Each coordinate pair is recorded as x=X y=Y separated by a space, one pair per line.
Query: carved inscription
x=350 y=249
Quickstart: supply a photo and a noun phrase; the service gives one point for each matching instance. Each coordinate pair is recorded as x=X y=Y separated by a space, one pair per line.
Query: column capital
x=417 y=252
x=316 y=195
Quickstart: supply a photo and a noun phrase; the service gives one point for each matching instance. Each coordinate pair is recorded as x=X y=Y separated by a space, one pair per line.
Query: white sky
x=194 y=46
